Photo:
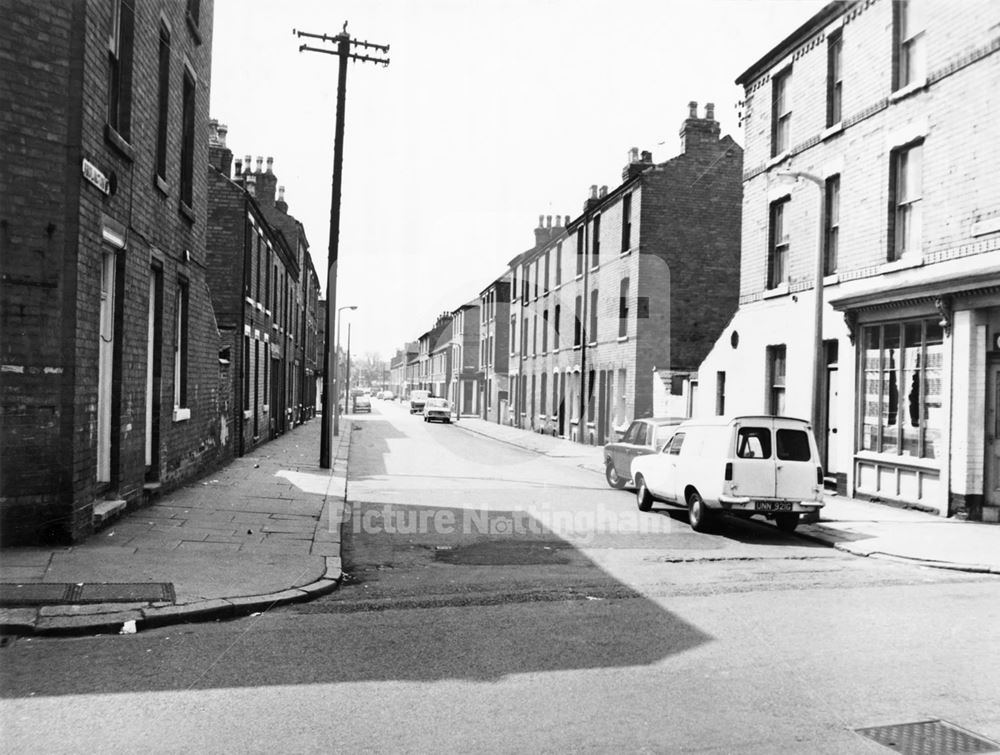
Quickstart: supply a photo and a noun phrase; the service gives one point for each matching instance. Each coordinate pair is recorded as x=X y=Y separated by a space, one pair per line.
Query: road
x=499 y=600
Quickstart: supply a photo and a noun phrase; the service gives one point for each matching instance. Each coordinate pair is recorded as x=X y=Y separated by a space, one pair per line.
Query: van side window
x=753 y=443
x=675 y=444
x=793 y=445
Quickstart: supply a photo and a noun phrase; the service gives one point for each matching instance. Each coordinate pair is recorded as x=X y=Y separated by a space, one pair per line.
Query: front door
x=830 y=465
x=992 y=467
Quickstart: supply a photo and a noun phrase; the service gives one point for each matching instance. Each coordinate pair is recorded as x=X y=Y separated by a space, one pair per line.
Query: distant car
x=643 y=436
x=437 y=410
x=739 y=466
x=417 y=400
x=388 y=395
x=362 y=404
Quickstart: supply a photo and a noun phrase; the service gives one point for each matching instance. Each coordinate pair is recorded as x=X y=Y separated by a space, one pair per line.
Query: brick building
x=112 y=385
x=264 y=290
x=494 y=350
x=463 y=385
x=882 y=111
x=642 y=281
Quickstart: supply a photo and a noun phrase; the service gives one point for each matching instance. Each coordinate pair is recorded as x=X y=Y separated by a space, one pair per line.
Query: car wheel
x=698 y=513
x=643 y=497
x=786 y=522
x=611 y=475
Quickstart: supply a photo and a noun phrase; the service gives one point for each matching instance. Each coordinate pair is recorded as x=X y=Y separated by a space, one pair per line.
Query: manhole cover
x=934 y=737
x=59 y=593
x=505 y=553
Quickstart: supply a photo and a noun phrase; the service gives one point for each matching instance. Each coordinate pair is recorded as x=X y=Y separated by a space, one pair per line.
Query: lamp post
x=816 y=381
x=336 y=376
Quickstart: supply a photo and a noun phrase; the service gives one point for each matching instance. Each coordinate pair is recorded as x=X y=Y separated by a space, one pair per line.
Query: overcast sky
x=491 y=113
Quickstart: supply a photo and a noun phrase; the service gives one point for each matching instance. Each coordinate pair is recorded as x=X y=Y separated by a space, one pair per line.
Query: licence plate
x=772 y=505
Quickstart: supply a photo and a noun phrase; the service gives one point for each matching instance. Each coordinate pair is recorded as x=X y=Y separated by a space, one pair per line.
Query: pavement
x=265 y=531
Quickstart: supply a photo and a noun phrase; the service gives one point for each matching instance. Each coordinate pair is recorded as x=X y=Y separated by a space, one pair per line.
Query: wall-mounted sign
x=93 y=174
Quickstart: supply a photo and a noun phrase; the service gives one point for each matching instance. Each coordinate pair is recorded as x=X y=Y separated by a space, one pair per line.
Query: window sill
x=622 y=339
x=162 y=185
x=186 y=210
x=778 y=159
x=193 y=28
x=901 y=264
x=831 y=280
x=592 y=344
x=595 y=268
x=577 y=347
x=625 y=252
x=181 y=414
x=904 y=92
x=247 y=414
x=833 y=130
x=898 y=460
x=773 y=293
x=116 y=140
x=579 y=276
x=267 y=312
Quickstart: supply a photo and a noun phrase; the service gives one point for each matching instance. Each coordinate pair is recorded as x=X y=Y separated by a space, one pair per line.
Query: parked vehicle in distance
x=437 y=410
x=388 y=395
x=417 y=400
x=739 y=466
x=643 y=436
x=362 y=404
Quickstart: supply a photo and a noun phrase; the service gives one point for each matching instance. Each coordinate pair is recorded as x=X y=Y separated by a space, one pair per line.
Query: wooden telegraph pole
x=343 y=51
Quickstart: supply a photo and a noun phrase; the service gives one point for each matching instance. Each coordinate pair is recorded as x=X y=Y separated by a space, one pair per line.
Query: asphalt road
x=499 y=600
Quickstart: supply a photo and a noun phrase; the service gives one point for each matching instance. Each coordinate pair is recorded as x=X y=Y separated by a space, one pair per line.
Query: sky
x=489 y=114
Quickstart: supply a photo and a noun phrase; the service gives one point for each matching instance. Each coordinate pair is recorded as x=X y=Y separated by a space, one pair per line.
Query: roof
x=794 y=40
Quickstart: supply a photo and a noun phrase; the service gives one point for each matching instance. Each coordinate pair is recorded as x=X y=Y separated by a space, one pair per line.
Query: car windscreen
x=793 y=445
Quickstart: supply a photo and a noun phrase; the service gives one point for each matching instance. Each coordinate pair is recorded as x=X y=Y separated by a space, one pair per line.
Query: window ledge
x=596 y=267
x=193 y=28
x=579 y=276
x=833 y=130
x=116 y=140
x=901 y=264
x=898 y=460
x=577 y=347
x=831 y=280
x=778 y=159
x=772 y=293
x=265 y=407
x=162 y=185
x=267 y=312
x=592 y=343
x=622 y=339
x=186 y=210
x=181 y=414
x=625 y=252
x=904 y=92
x=247 y=414
x=249 y=300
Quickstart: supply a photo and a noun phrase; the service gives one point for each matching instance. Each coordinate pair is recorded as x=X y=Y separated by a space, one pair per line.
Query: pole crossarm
x=350 y=55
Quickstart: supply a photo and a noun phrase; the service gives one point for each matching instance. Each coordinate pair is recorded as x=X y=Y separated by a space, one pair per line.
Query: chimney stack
x=280 y=203
x=636 y=164
x=219 y=156
x=698 y=134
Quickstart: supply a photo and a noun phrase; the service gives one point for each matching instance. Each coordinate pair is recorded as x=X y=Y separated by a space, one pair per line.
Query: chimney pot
x=633 y=155
x=270 y=164
x=541 y=218
x=239 y=167
x=647 y=157
x=593 y=191
x=222 y=131
x=281 y=193
x=566 y=221
x=710 y=111
x=693 y=108
x=548 y=221
x=247 y=162
x=260 y=163
x=604 y=192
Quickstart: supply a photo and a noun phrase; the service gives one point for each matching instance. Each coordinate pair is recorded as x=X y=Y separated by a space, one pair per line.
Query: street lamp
x=336 y=376
x=815 y=375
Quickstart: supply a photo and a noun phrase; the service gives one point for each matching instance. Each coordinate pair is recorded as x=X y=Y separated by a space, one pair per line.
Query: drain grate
x=59 y=593
x=933 y=737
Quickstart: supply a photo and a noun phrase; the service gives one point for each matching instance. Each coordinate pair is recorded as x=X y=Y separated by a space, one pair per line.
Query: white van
x=738 y=465
x=417 y=400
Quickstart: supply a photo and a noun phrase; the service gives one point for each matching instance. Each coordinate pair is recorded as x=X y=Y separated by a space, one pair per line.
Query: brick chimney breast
x=699 y=134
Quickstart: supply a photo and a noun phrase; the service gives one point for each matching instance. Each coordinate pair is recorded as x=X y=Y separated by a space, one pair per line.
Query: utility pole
x=343 y=51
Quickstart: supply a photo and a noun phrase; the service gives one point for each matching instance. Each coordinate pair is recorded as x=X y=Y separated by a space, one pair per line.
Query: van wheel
x=642 y=495
x=611 y=475
x=698 y=513
x=786 y=522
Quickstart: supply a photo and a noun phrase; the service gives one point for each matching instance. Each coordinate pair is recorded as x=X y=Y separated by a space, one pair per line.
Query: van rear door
x=753 y=462
x=796 y=461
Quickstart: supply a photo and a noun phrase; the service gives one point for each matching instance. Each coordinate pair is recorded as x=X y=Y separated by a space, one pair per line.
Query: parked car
x=437 y=410
x=643 y=436
x=388 y=395
x=740 y=466
x=417 y=400
x=362 y=403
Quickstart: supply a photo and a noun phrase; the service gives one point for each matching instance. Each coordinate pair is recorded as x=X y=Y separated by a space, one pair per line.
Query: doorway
x=154 y=367
x=831 y=465
x=991 y=486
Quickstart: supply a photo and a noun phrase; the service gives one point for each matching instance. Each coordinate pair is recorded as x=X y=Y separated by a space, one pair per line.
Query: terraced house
x=872 y=189
x=111 y=379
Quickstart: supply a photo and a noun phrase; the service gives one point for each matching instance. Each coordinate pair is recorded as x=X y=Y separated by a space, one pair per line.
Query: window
x=623 y=308
x=577 y=323
x=513 y=288
x=778 y=245
x=580 y=251
x=525 y=278
x=792 y=445
x=831 y=234
x=260 y=263
x=632 y=432
x=181 y=345
x=164 y=83
x=536 y=279
x=753 y=443
x=776 y=380
x=902 y=410
x=555 y=327
x=591 y=381
x=194 y=10
x=906 y=193
x=559 y=264
x=513 y=334
x=545 y=331
x=246 y=373
x=542 y=396
x=720 y=393
x=674 y=446
x=910 y=60
x=534 y=335
x=545 y=282
x=595 y=243
x=781 y=112
x=592 y=333
x=524 y=337
x=834 y=78
x=626 y=222
x=187 y=139
x=120 y=68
